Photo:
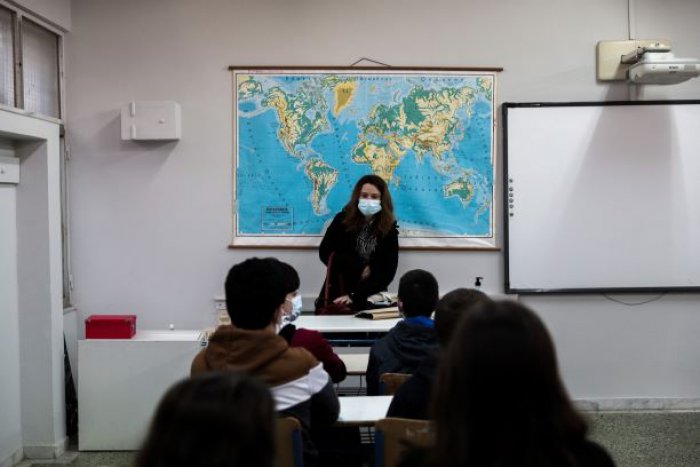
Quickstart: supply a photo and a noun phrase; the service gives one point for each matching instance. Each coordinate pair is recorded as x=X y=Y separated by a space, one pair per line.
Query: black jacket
x=412 y=400
x=348 y=264
x=401 y=351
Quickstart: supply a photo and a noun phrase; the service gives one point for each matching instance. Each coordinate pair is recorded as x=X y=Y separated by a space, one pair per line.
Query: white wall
x=151 y=222
x=10 y=400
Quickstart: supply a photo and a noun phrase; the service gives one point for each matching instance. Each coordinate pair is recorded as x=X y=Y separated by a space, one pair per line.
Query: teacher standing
x=363 y=242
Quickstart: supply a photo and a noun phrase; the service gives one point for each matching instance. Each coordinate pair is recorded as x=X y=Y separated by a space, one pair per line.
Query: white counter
x=121 y=382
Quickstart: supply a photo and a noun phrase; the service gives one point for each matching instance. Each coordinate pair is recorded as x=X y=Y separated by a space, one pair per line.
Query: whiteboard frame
x=506 y=211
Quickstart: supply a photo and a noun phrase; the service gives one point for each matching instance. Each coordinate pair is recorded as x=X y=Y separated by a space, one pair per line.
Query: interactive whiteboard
x=602 y=197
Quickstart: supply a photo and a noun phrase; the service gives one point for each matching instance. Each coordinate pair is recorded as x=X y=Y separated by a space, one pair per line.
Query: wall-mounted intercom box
x=9 y=170
x=151 y=121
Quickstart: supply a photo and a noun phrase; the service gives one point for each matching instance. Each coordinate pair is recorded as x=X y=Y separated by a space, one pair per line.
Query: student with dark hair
x=499 y=399
x=412 y=400
x=313 y=341
x=214 y=420
x=363 y=242
x=413 y=338
x=256 y=298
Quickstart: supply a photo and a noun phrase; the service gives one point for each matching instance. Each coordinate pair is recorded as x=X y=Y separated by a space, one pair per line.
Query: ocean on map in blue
x=277 y=181
x=246 y=106
x=419 y=198
x=268 y=176
x=336 y=150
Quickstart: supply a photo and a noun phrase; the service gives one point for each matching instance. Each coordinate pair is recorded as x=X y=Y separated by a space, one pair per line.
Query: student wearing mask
x=362 y=241
x=256 y=299
x=313 y=341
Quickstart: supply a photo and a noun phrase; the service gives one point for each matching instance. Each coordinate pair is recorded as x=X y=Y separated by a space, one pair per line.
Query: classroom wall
x=151 y=221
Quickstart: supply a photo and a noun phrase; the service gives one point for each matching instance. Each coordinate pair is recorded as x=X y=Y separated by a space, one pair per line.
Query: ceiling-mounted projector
x=643 y=61
x=663 y=68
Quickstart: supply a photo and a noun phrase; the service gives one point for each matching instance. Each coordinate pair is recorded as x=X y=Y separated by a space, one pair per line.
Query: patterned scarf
x=366 y=242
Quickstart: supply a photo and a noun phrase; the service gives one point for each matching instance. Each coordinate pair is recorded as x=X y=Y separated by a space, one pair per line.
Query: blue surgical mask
x=369 y=207
x=296 y=308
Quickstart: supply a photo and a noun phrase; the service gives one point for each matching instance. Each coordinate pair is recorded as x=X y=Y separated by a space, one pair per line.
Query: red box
x=110 y=326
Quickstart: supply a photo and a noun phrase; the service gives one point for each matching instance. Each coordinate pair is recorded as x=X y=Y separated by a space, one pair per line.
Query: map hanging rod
x=353 y=67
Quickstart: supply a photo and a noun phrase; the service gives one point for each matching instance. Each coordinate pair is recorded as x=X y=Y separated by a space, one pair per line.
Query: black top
x=585 y=454
x=348 y=264
x=412 y=399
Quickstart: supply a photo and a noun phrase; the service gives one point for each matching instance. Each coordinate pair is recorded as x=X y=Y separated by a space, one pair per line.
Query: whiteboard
x=602 y=197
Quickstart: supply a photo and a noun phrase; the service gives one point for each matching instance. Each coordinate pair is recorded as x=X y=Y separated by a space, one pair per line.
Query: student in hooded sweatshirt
x=413 y=338
x=256 y=300
x=412 y=400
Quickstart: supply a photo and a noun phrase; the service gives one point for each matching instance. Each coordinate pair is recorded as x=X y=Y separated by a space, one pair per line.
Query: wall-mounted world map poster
x=303 y=136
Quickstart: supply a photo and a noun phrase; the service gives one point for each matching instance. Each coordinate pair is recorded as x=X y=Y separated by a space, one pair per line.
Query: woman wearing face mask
x=313 y=341
x=363 y=243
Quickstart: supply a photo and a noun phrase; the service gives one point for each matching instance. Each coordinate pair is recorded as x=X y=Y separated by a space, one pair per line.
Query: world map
x=302 y=138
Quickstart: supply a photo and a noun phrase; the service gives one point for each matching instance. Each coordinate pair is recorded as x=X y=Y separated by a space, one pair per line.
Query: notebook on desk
x=379 y=313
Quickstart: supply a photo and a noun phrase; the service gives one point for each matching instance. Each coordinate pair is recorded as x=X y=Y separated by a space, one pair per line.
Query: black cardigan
x=348 y=264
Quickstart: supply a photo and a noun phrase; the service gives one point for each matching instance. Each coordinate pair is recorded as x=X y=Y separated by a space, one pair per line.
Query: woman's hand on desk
x=343 y=300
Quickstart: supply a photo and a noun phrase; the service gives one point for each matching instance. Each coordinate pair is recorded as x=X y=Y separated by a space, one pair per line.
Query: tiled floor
x=649 y=439
x=635 y=439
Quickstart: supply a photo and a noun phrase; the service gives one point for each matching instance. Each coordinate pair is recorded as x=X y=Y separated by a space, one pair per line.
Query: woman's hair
x=214 y=420
x=354 y=219
x=499 y=399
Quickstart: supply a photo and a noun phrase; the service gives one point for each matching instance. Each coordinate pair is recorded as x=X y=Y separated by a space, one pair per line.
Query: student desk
x=345 y=324
x=362 y=410
x=346 y=330
x=355 y=363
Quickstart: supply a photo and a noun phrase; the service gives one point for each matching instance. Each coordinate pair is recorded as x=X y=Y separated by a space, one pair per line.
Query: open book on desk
x=379 y=313
x=383 y=299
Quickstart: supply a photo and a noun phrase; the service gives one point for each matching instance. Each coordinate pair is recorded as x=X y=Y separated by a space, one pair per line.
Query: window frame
x=19 y=16
x=14 y=23
x=58 y=64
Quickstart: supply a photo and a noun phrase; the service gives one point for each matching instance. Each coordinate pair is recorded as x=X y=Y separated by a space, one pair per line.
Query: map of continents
x=303 y=140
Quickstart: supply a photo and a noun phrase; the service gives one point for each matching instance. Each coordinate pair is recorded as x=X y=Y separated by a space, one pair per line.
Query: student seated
x=255 y=300
x=313 y=341
x=499 y=399
x=214 y=420
x=412 y=400
x=413 y=338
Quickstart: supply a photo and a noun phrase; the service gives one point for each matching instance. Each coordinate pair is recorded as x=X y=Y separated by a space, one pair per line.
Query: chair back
x=389 y=383
x=394 y=436
x=288 y=443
